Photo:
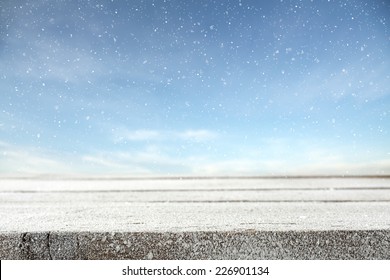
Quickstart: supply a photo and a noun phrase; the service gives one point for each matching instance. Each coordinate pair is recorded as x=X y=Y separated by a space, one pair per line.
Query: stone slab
x=323 y=218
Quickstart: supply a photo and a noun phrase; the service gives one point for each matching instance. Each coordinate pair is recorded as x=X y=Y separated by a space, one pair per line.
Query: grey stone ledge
x=305 y=245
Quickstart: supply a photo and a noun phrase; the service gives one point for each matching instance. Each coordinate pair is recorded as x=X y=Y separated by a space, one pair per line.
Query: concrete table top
x=221 y=218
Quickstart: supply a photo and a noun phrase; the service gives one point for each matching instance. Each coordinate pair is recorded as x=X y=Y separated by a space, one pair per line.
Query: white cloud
x=165 y=161
x=140 y=135
x=148 y=161
x=107 y=164
x=201 y=135
x=197 y=135
x=248 y=167
x=16 y=160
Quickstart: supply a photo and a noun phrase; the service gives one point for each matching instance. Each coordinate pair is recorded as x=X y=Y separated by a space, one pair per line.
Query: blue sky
x=163 y=88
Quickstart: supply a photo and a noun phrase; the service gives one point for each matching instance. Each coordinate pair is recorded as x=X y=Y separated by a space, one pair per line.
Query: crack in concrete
x=48 y=245
x=24 y=246
x=78 y=247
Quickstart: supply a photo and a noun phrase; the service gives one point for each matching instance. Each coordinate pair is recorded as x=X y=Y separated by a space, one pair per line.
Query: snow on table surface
x=178 y=205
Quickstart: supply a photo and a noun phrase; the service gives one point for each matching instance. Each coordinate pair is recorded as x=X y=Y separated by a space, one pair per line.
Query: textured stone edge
x=304 y=245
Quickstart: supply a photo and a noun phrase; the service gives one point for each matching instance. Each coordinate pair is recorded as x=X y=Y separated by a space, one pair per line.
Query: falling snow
x=274 y=82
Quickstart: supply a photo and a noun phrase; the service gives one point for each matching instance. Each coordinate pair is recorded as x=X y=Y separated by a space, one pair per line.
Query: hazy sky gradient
x=194 y=87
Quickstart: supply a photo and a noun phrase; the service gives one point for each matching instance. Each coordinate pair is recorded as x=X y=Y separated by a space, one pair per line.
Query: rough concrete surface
x=323 y=218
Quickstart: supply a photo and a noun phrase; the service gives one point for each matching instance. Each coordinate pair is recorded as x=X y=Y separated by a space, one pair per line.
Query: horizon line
x=188 y=177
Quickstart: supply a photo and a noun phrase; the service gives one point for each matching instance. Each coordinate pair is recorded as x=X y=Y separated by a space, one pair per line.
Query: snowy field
x=194 y=204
